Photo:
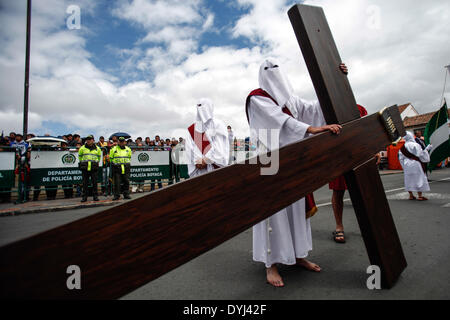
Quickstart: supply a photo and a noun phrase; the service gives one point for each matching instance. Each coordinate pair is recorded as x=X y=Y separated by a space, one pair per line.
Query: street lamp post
x=27 y=72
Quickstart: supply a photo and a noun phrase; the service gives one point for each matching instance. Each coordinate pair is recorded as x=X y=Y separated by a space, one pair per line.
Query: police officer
x=120 y=157
x=89 y=156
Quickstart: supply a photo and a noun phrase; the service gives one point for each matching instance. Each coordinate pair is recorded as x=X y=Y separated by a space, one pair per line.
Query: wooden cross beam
x=339 y=106
x=123 y=248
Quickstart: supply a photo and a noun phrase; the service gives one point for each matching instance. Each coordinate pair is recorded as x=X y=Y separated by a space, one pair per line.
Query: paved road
x=228 y=272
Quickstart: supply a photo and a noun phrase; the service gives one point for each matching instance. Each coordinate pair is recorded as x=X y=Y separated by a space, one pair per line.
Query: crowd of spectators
x=155 y=144
x=75 y=141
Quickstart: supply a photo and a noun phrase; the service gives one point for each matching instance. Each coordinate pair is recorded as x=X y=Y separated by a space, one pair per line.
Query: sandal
x=339 y=234
x=412 y=198
x=422 y=199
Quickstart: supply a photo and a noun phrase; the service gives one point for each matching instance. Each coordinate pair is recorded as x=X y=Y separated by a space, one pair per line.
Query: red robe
x=199 y=139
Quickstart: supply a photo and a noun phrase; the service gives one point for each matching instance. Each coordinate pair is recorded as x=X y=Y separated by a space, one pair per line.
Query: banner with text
x=150 y=165
x=56 y=168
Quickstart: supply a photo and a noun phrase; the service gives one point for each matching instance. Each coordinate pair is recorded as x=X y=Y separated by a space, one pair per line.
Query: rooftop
x=421 y=119
x=403 y=107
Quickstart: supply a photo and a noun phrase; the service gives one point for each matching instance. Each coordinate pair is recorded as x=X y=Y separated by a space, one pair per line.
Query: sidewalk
x=11 y=209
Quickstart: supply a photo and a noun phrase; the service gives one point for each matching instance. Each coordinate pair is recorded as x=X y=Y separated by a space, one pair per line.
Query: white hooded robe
x=287 y=234
x=216 y=133
x=415 y=179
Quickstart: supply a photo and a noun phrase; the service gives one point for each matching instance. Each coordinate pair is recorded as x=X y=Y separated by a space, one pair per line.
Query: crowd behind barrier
x=28 y=168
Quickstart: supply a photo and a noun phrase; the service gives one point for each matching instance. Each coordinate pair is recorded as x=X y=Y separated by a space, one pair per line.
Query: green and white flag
x=437 y=133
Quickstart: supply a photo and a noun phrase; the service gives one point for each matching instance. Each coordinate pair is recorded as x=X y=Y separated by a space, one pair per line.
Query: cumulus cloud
x=172 y=27
x=396 y=51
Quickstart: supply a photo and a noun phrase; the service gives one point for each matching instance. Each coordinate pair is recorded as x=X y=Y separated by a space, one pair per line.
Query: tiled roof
x=403 y=107
x=421 y=119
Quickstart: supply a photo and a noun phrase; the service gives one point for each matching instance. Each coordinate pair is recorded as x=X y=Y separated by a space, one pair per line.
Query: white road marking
x=405 y=195
x=394 y=197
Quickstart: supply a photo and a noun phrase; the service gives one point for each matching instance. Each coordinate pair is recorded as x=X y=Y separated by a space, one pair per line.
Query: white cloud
x=151 y=14
x=397 y=59
x=173 y=28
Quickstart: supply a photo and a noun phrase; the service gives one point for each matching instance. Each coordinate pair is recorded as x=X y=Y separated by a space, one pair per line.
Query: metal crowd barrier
x=10 y=161
x=154 y=166
x=56 y=168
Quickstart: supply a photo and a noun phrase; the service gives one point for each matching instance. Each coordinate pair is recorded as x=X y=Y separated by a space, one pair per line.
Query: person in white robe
x=410 y=160
x=284 y=238
x=207 y=146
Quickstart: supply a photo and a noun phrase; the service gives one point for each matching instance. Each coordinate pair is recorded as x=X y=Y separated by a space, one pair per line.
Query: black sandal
x=339 y=234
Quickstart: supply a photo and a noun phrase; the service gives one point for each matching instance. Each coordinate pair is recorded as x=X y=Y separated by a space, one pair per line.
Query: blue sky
x=141 y=65
x=109 y=34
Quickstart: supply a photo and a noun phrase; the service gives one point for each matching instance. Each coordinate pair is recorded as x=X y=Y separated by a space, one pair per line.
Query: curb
x=18 y=211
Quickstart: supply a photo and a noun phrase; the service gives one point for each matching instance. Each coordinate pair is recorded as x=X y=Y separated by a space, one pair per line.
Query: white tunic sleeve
x=401 y=159
x=265 y=115
x=309 y=111
x=423 y=155
x=220 y=150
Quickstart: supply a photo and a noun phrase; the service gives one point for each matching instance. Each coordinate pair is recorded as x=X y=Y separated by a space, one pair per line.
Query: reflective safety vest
x=119 y=156
x=86 y=155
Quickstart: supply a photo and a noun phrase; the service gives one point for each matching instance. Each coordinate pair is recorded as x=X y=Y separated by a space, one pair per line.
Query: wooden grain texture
x=338 y=105
x=376 y=222
x=123 y=248
x=322 y=59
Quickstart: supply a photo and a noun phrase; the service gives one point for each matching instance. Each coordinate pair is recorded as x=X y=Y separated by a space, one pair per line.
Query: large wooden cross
x=123 y=248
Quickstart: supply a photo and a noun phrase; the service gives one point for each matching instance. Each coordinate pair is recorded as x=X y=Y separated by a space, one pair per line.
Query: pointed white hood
x=205 y=113
x=205 y=121
x=274 y=82
x=409 y=141
x=409 y=137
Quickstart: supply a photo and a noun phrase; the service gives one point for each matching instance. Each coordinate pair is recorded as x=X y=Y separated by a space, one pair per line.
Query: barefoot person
x=284 y=238
x=413 y=160
x=207 y=146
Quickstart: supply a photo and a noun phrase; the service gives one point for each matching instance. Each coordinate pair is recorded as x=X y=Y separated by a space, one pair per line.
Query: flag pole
x=27 y=72
x=447 y=70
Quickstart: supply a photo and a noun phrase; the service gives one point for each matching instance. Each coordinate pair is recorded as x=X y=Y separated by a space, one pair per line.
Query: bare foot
x=308 y=265
x=273 y=277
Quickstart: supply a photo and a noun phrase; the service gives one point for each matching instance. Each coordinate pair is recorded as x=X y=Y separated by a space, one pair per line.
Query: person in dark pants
x=89 y=156
x=120 y=157
x=152 y=185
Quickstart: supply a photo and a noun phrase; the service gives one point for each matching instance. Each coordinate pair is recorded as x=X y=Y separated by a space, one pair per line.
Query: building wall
x=409 y=112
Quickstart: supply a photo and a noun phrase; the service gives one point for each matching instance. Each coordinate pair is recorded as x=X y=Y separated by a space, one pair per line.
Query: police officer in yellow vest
x=89 y=156
x=120 y=157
